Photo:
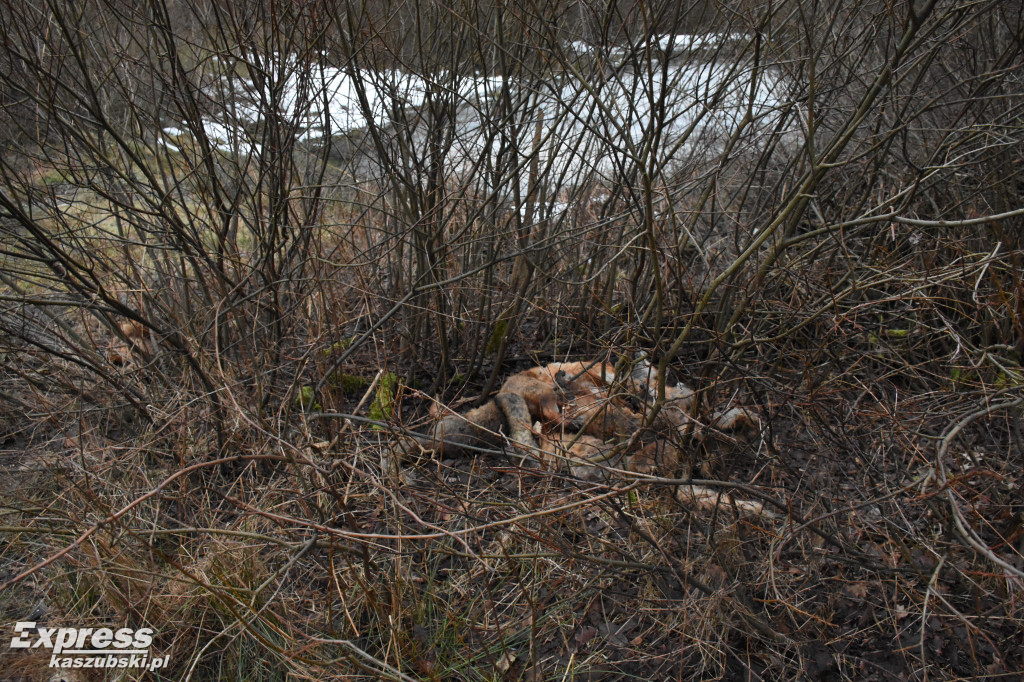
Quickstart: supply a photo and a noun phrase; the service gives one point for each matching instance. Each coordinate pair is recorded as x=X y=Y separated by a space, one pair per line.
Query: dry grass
x=847 y=263
x=311 y=554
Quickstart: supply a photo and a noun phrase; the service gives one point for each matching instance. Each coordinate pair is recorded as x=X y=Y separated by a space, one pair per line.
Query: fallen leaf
x=505 y=662
x=585 y=634
x=858 y=589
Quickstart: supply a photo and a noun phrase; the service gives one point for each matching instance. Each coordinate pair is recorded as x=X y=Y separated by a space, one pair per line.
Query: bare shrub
x=244 y=243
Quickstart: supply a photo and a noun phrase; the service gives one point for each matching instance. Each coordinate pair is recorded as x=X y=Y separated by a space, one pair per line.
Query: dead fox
x=578 y=423
x=541 y=396
x=576 y=417
x=586 y=456
x=483 y=427
x=575 y=396
x=531 y=395
x=136 y=342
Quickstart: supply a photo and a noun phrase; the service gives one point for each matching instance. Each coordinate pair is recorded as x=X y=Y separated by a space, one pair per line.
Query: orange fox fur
x=580 y=451
x=577 y=419
x=574 y=394
x=137 y=337
x=483 y=426
x=540 y=395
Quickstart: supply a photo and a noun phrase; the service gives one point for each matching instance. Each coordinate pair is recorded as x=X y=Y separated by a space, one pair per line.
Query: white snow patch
x=584 y=128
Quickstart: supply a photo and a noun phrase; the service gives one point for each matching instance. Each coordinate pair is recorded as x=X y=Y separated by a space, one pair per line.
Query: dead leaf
x=859 y=590
x=505 y=662
x=585 y=634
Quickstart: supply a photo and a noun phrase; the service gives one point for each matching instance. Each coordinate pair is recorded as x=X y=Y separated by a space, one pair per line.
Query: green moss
x=305 y=399
x=494 y=343
x=1008 y=379
x=384 y=400
x=52 y=177
x=961 y=378
x=339 y=346
x=348 y=384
